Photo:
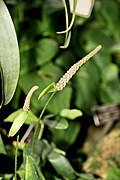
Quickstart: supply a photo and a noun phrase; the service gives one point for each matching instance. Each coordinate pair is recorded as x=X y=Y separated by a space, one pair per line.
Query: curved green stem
x=38 y=133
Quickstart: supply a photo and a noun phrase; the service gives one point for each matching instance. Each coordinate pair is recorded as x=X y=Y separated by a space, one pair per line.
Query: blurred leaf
x=43 y=77
x=21 y=173
x=70 y=113
x=46 y=49
x=48 y=89
x=65 y=138
x=9 y=53
x=31 y=118
x=51 y=176
x=110 y=19
x=32 y=170
x=87 y=86
x=18 y=122
x=113 y=173
x=51 y=6
x=2 y=148
x=110 y=84
x=115 y=48
x=61 y=165
x=111 y=72
x=59 y=123
x=7 y=176
x=61 y=100
x=86 y=177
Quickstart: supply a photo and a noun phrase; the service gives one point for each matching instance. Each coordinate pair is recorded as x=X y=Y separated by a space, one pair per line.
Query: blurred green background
x=42 y=61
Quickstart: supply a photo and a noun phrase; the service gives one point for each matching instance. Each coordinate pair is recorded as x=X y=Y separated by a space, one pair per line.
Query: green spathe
x=18 y=122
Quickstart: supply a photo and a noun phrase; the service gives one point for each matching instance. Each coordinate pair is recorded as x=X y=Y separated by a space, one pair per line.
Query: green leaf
x=50 y=88
x=18 y=122
x=86 y=177
x=110 y=83
x=113 y=173
x=21 y=173
x=59 y=123
x=46 y=49
x=2 y=148
x=87 y=86
x=61 y=100
x=7 y=176
x=70 y=113
x=65 y=138
x=61 y=165
x=9 y=53
x=31 y=118
x=32 y=170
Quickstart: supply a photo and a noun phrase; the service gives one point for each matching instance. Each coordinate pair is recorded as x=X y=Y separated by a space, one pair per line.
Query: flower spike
x=69 y=74
x=26 y=106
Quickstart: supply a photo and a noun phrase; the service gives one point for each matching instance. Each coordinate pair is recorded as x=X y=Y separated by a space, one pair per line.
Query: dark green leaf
x=2 y=148
x=61 y=100
x=61 y=165
x=65 y=138
x=59 y=123
x=9 y=53
x=31 y=170
x=46 y=49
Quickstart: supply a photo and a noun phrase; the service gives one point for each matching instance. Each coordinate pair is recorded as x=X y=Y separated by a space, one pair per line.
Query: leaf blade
x=9 y=53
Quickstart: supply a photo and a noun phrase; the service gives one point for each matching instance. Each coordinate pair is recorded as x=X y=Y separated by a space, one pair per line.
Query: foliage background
x=43 y=62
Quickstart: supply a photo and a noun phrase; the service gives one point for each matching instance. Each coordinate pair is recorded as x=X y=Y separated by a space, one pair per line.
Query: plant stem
x=38 y=133
x=16 y=151
x=41 y=130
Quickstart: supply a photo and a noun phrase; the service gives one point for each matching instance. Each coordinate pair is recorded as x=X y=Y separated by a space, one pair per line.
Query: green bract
x=18 y=122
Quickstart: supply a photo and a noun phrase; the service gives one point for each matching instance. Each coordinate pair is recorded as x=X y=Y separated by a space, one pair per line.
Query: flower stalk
x=26 y=106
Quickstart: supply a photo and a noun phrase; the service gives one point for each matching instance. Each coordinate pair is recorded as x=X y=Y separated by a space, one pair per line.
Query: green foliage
x=61 y=165
x=42 y=64
x=31 y=118
x=31 y=170
x=113 y=173
x=2 y=148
